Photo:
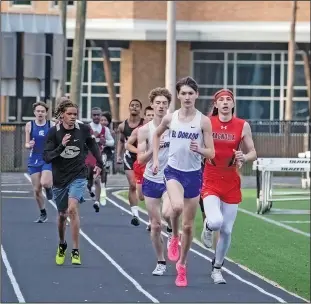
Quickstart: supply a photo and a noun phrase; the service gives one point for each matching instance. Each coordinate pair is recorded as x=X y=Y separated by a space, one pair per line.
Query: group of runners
x=174 y=162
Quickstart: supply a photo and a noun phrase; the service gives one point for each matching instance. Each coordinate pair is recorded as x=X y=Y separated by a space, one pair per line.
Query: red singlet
x=90 y=160
x=220 y=176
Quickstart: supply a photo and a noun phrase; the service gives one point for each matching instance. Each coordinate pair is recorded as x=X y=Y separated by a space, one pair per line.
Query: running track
x=117 y=260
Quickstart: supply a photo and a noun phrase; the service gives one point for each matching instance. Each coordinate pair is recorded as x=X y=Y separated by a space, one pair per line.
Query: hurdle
x=265 y=167
x=305 y=179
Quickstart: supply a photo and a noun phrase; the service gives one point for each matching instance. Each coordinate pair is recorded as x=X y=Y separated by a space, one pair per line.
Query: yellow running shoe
x=61 y=254
x=75 y=257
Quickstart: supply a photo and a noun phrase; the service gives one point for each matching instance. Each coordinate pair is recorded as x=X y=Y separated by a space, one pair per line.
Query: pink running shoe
x=181 y=279
x=173 y=250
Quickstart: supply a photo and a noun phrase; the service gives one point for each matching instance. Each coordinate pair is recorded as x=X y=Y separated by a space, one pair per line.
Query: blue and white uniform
x=184 y=165
x=36 y=164
x=153 y=185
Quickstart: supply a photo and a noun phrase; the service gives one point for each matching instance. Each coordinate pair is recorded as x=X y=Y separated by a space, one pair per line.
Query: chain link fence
x=271 y=138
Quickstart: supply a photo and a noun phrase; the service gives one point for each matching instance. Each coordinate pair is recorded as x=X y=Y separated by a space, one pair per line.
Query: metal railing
x=271 y=138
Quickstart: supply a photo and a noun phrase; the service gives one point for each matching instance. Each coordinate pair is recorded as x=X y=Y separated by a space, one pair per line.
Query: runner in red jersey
x=221 y=190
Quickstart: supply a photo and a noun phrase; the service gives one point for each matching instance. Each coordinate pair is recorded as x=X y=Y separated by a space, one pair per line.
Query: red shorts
x=139 y=172
x=228 y=191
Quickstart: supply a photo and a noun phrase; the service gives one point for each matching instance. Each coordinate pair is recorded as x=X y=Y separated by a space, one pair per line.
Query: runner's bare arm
x=51 y=148
x=248 y=143
x=121 y=141
x=209 y=150
x=129 y=145
x=27 y=135
x=164 y=125
x=93 y=147
x=144 y=154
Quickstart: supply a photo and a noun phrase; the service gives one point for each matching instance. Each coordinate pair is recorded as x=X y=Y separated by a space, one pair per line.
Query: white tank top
x=181 y=133
x=162 y=156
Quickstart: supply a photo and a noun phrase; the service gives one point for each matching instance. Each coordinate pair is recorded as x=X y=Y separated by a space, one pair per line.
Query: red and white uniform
x=100 y=134
x=220 y=175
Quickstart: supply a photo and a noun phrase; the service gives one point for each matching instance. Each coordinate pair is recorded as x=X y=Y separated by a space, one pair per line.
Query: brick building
x=241 y=45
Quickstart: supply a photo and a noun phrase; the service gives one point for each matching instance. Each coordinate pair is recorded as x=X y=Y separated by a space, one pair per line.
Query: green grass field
x=278 y=254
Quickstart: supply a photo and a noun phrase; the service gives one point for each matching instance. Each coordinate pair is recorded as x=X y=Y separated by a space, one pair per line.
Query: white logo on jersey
x=70 y=152
x=41 y=133
x=223 y=127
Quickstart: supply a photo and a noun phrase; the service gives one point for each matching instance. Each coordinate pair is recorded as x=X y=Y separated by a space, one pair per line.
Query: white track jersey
x=163 y=155
x=181 y=133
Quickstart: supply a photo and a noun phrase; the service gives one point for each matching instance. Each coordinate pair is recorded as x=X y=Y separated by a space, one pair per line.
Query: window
x=300 y=110
x=253 y=92
x=98 y=74
x=100 y=102
x=27 y=111
x=69 y=3
x=253 y=74
x=253 y=109
x=209 y=73
x=299 y=75
x=85 y=71
x=94 y=86
x=21 y=2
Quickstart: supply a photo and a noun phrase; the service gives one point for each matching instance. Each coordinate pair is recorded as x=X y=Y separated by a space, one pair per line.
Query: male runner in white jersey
x=153 y=186
x=190 y=139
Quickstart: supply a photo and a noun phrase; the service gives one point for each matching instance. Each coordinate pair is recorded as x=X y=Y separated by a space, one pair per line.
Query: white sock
x=134 y=210
x=102 y=185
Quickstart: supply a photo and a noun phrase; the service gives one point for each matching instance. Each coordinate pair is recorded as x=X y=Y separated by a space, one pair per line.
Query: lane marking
x=296 y=222
x=18 y=197
x=268 y=220
x=12 y=278
x=11 y=185
x=274 y=284
x=14 y=191
x=109 y=258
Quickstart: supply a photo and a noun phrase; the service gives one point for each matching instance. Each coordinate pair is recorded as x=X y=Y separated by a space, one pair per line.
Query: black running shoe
x=96 y=206
x=135 y=221
x=42 y=218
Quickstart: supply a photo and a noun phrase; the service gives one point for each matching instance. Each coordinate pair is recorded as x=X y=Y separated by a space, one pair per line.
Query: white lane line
x=109 y=258
x=296 y=222
x=263 y=218
x=203 y=247
x=13 y=185
x=14 y=191
x=12 y=278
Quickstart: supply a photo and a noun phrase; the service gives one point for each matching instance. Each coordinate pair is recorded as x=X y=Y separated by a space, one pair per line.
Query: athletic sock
x=134 y=210
x=169 y=230
x=162 y=262
x=75 y=251
x=43 y=211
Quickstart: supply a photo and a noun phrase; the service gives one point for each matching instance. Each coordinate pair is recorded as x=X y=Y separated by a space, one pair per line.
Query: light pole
x=170 y=71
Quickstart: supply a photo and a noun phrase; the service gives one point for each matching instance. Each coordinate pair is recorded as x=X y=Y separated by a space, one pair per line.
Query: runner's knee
x=72 y=209
x=226 y=229
x=187 y=228
x=215 y=222
x=62 y=216
x=132 y=187
x=156 y=225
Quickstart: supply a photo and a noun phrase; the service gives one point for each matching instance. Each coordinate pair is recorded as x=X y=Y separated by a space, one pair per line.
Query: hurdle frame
x=264 y=168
